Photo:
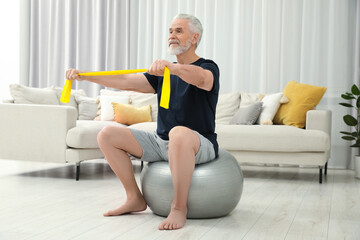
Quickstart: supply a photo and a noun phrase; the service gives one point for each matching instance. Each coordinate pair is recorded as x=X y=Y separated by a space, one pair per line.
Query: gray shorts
x=156 y=149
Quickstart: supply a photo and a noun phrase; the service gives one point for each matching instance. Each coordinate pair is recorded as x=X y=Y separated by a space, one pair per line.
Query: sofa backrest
x=227 y=106
x=228 y=103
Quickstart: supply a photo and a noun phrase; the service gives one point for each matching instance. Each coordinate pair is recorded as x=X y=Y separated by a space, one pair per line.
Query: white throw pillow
x=107 y=92
x=271 y=104
x=107 y=111
x=227 y=106
x=137 y=99
x=29 y=95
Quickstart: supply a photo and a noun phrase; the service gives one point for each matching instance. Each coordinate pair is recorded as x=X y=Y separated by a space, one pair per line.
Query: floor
x=43 y=201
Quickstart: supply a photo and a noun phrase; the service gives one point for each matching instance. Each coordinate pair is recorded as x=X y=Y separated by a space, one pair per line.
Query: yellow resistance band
x=165 y=93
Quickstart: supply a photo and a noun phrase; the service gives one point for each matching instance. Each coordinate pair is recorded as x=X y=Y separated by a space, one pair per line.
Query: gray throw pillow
x=247 y=115
x=87 y=107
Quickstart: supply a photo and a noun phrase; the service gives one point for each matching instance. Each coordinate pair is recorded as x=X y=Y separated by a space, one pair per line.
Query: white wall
x=9 y=46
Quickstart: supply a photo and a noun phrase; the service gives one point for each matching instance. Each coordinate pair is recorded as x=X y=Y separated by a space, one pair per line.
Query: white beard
x=179 y=49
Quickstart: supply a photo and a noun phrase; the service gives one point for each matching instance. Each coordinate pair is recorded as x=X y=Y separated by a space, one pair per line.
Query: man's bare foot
x=131 y=205
x=175 y=220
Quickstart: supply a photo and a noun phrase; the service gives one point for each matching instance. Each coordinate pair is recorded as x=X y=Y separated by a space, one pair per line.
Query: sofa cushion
x=247 y=115
x=271 y=138
x=146 y=126
x=137 y=99
x=84 y=135
x=127 y=114
x=74 y=93
x=226 y=107
x=248 y=99
x=29 y=95
x=302 y=98
x=271 y=104
x=107 y=110
x=87 y=107
x=143 y=99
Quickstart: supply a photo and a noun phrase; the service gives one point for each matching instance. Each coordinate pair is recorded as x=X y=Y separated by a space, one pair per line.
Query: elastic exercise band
x=165 y=92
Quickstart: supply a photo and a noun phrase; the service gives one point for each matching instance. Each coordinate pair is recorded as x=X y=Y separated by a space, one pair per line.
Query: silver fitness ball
x=215 y=189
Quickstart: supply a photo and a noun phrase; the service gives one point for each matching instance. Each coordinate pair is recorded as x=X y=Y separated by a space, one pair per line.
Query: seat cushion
x=145 y=126
x=84 y=135
x=262 y=138
x=271 y=138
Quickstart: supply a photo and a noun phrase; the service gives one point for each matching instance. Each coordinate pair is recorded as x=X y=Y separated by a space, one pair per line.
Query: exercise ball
x=215 y=189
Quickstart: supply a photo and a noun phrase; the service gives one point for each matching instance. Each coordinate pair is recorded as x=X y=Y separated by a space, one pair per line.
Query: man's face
x=179 y=37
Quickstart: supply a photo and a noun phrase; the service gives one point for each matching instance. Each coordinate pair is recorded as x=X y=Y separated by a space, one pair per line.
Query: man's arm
x=194 y=75
x=132 y=82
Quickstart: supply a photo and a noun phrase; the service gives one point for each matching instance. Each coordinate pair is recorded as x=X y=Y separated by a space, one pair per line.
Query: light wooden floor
x=43 y=201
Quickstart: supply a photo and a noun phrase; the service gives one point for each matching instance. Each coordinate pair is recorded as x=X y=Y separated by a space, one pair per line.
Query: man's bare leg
x=183 y=146
x=115 y=142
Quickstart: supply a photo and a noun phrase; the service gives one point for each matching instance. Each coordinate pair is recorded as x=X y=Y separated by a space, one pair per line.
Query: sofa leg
x=325 y=171
x=77 y=171
x=320 y=174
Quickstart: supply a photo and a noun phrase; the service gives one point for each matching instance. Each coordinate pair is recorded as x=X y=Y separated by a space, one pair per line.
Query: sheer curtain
x=259 y=45
x=91 y=35
x=9 y=46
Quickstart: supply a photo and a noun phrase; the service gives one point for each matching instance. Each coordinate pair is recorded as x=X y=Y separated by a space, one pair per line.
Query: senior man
x=185 y=134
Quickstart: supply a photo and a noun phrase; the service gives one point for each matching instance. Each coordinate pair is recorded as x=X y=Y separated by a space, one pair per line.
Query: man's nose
x=171 y=35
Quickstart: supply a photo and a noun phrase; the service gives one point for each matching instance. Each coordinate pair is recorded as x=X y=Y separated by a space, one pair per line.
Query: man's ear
x=195 y=38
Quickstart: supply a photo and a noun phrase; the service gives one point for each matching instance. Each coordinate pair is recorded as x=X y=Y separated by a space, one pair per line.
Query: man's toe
x=168 y=227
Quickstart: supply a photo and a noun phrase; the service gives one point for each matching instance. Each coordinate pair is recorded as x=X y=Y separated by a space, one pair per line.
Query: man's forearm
x=194 y=75
x=133 y=82
x=113 y=81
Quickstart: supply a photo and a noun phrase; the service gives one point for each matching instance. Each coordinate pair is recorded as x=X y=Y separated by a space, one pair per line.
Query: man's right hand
x=133 y=82
x=72 y=74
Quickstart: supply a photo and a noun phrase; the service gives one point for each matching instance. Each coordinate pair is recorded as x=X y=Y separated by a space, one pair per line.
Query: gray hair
x=194 y=24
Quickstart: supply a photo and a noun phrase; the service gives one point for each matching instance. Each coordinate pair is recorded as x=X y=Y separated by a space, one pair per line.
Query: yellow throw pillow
x=127 y=114
x=302 y=98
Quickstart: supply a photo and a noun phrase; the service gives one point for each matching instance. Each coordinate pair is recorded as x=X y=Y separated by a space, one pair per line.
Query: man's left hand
x=158 y=66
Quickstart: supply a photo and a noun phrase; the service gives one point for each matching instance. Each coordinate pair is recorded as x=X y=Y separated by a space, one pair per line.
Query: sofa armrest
x=35 y=132
x=319 y=120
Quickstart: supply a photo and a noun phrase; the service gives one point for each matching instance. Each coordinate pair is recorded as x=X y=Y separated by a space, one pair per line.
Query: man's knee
x=107 y=134
x=103 y=135
x=179 y=133
x=184 y=137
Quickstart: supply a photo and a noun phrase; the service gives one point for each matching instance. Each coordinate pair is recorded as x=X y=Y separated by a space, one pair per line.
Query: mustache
x=171 y=41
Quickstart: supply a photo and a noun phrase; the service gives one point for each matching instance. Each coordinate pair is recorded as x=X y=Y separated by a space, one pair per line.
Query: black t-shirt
x=189 y=105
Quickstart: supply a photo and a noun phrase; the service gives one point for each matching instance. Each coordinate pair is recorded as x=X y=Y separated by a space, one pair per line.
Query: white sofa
x=53 y=133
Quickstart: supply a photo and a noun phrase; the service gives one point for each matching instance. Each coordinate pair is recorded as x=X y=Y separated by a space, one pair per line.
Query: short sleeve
x=153 y=80
x=212 y=67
